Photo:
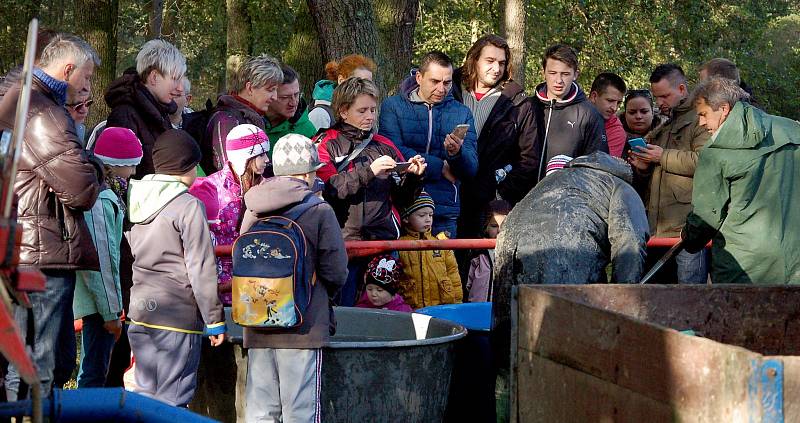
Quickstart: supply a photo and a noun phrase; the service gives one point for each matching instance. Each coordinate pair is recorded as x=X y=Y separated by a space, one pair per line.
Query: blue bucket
x=473 y=316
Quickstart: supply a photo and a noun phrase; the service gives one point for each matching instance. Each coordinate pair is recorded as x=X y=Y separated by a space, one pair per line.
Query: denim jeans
x=692 y=268
x=53 y=331
x=96 y=346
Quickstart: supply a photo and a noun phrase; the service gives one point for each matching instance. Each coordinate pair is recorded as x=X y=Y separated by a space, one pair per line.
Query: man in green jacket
x=746 y=191
x=288 y=114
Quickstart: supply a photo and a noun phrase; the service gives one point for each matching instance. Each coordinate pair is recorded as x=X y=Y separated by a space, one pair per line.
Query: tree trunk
x=96 y=21
x=169 y=28
x=347 y=27
x=396 y=20
x=238 y=41
x=156 y=19
x=304 y=39
x=512 y=26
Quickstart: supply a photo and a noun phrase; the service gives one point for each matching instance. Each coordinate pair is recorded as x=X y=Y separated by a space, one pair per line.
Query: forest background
x=628 y=37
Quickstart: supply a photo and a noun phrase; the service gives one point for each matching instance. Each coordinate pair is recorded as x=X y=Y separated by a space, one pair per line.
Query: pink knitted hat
x=243 y=142
x=206 y=192
x=118 y=147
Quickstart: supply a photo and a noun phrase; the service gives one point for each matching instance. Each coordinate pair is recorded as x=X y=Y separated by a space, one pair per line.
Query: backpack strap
x=308 y=202
x=343 y=165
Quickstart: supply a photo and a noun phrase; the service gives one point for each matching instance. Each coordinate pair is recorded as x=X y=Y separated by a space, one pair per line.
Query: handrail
x=370 y=248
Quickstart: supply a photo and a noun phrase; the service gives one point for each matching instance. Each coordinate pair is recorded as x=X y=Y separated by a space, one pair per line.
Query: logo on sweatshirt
x=571 y=124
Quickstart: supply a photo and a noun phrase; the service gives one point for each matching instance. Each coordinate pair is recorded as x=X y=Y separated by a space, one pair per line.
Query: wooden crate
x=615 y=353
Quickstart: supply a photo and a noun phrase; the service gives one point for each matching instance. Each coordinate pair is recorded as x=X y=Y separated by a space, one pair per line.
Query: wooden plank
x=697 y=376
x=557 y=393
x=763 y=319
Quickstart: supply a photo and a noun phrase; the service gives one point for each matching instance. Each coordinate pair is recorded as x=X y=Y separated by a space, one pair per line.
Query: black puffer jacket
x=507 y=138
x=571 y=126
x=56 y=182
x=569 y=227
x=366 y=205
x=133 y=107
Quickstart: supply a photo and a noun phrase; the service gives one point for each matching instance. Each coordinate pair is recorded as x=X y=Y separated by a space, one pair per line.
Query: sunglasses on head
x=80 y=105
x=639 y=93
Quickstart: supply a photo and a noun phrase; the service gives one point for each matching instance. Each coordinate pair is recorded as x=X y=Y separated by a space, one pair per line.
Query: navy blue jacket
x=409 y=124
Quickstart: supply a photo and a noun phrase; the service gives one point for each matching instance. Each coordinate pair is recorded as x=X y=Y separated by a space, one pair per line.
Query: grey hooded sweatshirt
x=325 y=255
x=174 y=267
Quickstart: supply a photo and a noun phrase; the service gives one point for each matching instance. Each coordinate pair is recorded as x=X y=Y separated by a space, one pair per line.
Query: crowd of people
x=123 y=221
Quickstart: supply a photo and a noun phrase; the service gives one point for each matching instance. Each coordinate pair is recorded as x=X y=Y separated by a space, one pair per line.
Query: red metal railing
x=370 y=248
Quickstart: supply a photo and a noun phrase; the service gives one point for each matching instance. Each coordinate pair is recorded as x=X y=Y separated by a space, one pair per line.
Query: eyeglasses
x=81 y=105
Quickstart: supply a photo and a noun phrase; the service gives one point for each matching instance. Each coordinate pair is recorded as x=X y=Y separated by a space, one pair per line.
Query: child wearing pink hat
x=246 y=148
x=98 y=295
x=381 y=279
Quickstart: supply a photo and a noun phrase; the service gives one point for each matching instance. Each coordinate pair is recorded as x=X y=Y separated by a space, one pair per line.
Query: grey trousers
x=166 y=363
x=283 y=385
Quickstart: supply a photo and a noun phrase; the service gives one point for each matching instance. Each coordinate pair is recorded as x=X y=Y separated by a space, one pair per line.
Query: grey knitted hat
x=294 y=154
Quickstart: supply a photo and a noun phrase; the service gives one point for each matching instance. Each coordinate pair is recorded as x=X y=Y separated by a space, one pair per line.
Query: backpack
x=328 y=109
x=196 y=124
x=271 y=285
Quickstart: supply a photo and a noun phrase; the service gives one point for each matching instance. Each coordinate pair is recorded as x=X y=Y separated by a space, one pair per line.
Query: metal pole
x=22 y=114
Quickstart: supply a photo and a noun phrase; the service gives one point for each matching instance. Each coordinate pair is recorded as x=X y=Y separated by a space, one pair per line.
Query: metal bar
x=672 y=251
x=10 y=173
x=369 y=248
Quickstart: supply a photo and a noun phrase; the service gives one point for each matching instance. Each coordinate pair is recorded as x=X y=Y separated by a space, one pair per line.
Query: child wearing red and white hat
x=98 y=295
x=381 y=277
x=246 y=148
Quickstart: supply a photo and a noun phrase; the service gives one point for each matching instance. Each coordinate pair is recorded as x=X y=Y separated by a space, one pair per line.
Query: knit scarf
x=58 y=88
x=120 y=187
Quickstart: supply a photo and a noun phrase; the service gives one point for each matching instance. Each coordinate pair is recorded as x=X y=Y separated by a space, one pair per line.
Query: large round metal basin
x=387 y=366
x=381 y=366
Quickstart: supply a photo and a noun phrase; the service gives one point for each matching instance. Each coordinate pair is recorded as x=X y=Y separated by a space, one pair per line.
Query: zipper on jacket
x=430 y=128
x=544 y=147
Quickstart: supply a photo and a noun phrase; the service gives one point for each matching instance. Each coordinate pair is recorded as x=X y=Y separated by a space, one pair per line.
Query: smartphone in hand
x=460 y=131
x=401 y=166
x=637 y=144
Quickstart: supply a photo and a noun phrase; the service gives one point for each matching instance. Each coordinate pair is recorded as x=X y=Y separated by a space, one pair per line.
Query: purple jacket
x=224 y=226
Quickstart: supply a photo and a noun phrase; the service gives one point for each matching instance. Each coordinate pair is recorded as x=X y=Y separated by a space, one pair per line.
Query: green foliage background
x=625 y=36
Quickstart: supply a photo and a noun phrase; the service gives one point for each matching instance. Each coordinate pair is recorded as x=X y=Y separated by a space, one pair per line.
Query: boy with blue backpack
x=288 y=264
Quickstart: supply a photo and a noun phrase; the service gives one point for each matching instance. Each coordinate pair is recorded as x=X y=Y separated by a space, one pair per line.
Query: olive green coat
x=746 y=197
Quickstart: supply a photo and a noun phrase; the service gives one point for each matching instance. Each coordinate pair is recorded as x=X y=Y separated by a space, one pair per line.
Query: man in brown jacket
x=669 y=162
x=55 y=184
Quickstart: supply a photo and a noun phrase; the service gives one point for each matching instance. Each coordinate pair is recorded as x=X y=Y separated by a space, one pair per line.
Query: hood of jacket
x=606 y=163
x=747 y=127
x=146 y=197
x=575 y=96
x=128 y=89
x=408 y=85
x=323 y=90
x=276 y=193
